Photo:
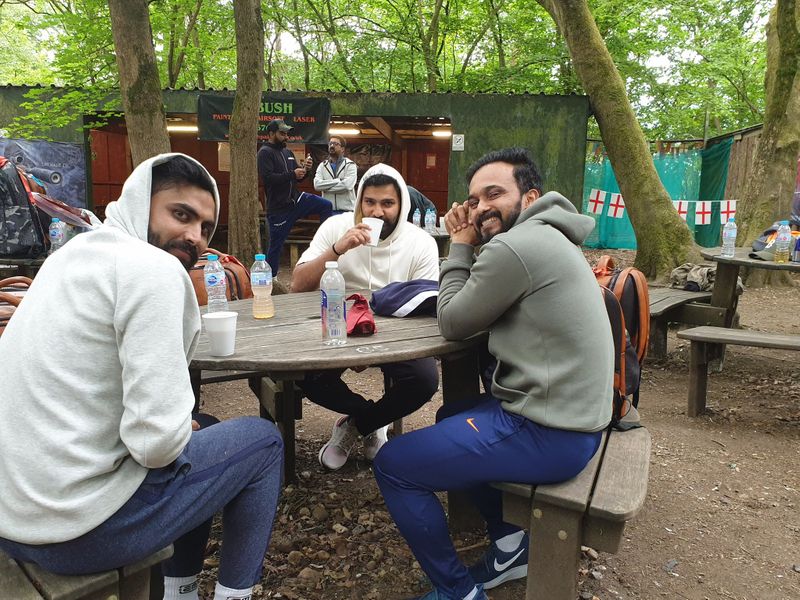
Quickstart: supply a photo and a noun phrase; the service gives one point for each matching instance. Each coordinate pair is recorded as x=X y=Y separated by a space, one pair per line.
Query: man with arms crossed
x=98 y=458
x=550 y=398
x=279 y=173
x=404 y=253
x=336 y=177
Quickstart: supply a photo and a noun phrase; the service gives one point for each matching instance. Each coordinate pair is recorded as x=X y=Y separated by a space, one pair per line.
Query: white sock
x=180 y=588
x=473 y=594
x=510 y=542
x=225 y=593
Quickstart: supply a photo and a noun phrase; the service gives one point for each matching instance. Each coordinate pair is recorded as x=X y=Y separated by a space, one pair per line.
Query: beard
x=185 y=247
x=388 y=228
x=506 y=222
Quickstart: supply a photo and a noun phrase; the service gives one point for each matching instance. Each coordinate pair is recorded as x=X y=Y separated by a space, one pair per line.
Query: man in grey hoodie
x=551 y=391
x=99 y=458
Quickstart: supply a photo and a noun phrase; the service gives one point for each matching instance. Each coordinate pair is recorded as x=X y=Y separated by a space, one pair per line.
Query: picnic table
x=708 y=343
x=281 y=350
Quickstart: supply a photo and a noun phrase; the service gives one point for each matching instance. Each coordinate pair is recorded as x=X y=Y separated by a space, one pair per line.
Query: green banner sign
x=308 y=116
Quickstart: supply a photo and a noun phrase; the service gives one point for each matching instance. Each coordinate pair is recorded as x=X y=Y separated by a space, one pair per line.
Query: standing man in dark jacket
x=279 y=173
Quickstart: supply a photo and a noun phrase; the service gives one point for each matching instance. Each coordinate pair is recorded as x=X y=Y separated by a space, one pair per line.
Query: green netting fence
x=695 y=180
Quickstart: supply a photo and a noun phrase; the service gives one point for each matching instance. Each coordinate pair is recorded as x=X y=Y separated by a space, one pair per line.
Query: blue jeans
x=466 y=451
x=281 y=224
x=234 y=467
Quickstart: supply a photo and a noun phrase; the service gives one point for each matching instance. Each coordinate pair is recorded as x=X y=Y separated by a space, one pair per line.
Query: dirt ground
x=721 y=520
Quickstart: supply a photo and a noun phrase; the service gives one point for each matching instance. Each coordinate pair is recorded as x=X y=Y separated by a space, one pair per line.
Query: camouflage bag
x=21 y=232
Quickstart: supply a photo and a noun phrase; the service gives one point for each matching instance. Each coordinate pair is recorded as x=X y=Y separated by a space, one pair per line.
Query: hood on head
x=405 y=200
x=554 y=209
x=131 y=211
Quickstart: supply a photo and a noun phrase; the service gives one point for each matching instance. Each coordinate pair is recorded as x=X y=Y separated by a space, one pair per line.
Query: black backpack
x=21 y=232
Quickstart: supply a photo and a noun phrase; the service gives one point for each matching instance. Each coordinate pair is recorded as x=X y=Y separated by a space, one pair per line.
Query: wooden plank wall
x=743 y=153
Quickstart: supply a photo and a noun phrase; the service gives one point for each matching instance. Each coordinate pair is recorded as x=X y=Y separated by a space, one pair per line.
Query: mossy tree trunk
x=663 y=240
x=243 y=204
x=770 y=188
x=139 y=83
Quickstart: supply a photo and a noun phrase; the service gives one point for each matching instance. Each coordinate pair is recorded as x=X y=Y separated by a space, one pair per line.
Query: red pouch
x=359 y=317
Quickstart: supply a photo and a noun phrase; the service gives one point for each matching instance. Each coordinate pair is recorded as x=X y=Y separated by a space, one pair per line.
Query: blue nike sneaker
x=439 y=595
x=496 y=566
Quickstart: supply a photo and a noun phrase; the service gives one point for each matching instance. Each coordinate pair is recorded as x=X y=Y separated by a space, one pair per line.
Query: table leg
x=698 y=378
x=194 y=378
x=724 y=295
x=460 y=381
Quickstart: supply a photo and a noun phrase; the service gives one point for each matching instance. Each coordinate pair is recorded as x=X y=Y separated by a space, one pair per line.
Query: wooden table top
x=291 y=341
x=742 y=258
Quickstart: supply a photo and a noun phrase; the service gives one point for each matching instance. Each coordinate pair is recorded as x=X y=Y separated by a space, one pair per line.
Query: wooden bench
x=672 y=305
x=296 y=247
x=589 y=510
x=25 y=581
x=707 y=345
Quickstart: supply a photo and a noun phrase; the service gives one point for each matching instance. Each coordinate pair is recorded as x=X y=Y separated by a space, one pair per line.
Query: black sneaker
x=496 y=566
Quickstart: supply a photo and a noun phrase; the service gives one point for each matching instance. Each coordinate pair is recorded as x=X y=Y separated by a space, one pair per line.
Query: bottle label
x=213 y=279
x=260 y=279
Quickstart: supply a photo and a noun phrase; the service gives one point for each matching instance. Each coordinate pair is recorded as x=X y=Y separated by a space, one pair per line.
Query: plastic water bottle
x=216 y=283
x=416 y=217
x=430 y=221
x=729 y=239
x=332 y=305
x=783 y=242
x=56 y=234
x=261 y=282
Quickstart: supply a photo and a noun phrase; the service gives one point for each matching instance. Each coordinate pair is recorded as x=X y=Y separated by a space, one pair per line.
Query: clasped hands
x=458 y=222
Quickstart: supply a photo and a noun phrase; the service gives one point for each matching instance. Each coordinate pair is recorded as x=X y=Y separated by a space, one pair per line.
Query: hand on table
x=459 y=225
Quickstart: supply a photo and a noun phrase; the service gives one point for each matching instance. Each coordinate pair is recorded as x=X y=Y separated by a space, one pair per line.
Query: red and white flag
x=597 y=198
x=727 y=209
x=616 y=207
x=682 y=206
x=702 y=212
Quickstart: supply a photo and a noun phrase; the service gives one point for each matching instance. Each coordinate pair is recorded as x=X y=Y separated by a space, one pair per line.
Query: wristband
x=333 y=247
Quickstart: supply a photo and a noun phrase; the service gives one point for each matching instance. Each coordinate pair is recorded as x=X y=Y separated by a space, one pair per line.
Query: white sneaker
x=333 y=455
x=374 y=442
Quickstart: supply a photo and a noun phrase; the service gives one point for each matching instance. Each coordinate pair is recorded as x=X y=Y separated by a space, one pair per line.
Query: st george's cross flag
x=597 y=198
x=727 y=209
x=616 y=207
x=702 y=212
x=682 y=206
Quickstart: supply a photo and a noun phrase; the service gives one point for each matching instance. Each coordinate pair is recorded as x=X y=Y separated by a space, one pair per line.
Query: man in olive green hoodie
x=551 y=392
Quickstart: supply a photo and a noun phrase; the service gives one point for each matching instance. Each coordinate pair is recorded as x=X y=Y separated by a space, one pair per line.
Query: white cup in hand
x=375 y=226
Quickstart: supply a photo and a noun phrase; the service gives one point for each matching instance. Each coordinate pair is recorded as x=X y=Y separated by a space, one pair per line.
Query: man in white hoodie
x=405 y=252
x=98 y=458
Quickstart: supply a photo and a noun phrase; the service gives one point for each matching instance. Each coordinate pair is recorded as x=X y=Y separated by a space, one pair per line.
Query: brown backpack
x=236 y=274
x=630 y=324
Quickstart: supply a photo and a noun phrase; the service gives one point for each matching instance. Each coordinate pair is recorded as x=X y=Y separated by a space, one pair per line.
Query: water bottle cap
x=212 y=257
x=331 y=264
x=731 y=220
x=260 y=257
x=784 y=222
x=55 y=220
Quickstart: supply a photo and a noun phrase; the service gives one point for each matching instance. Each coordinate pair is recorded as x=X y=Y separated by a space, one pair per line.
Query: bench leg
x=294 y=255
x=554 y=553
x=658 y=338
x=698 y=378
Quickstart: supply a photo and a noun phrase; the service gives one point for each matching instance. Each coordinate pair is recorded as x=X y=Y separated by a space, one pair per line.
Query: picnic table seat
x=26 y=581
x=673 y=305
x=708 y=344
x=588 y=510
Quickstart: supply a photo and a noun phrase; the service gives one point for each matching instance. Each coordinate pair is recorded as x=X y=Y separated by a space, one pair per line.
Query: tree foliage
x=684 y=64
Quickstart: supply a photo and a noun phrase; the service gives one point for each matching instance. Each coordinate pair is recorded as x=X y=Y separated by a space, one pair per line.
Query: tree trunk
x=139 y=83
x=662 y=238
x=770 y=187
x=243 y=204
